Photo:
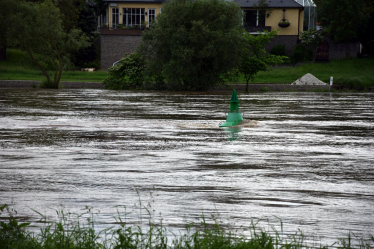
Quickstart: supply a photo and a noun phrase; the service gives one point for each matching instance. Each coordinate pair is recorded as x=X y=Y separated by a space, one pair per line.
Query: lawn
x=20 y=67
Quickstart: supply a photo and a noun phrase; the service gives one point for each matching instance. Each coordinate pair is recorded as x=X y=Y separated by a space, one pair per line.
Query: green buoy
x=234 y=117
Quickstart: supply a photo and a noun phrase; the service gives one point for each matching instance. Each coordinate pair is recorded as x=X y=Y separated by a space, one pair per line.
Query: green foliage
x=343 y=19
x=279 y=49
x=38 y=30
x=73 y=231
x=255 y=58
x=349 y=83
x=7 y=11
x=88 y=24
x=128 y=73
x=311 y=37
x=12 y=233
x=193 y=44
x=298 y=54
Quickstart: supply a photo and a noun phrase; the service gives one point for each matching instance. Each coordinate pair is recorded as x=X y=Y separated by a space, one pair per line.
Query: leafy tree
x=348 y=20
x=255 y=58
x=7 y=10
x=126 y=74
x=194 y=43
x=38 y=30
x=88 y=24
x=311 y=38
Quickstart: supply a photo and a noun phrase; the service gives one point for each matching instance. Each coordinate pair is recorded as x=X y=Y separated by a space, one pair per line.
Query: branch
x=37 y=63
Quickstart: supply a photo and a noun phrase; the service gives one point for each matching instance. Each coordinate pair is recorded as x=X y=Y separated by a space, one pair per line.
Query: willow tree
x=38 y=30
x=194 y=44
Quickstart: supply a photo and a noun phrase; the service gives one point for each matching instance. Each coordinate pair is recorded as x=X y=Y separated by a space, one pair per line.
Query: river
x=306 y=159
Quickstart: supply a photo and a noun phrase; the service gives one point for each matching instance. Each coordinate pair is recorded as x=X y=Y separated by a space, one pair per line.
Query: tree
x=311 y=38
x=255 y=58
x=88 y=24
x=347 y=20
x=38 y=30
x=7 y=10
x=194 y=43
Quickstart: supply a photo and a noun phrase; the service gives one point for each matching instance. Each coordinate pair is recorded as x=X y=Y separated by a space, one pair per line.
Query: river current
x=306 y=159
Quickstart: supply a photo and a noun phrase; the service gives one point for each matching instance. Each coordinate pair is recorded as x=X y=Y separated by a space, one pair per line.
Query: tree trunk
x=3 y=53
x=247 y=86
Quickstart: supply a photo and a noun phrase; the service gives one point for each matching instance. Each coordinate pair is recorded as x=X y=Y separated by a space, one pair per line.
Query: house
x=285 y=16
x=122 y=26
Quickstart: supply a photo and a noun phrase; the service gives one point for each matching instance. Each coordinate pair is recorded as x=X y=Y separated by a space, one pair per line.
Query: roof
x=134 y=1
x=271 y=3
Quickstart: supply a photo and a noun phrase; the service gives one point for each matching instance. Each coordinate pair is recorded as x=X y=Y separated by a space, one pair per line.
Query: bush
x=126 y=74
x=341 y=83
x=47 y=84
x=279 y=49
x=298 y=54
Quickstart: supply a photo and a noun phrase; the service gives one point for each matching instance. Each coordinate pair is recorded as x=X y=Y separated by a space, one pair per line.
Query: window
x=254 y=18
x=133 y=16
x=151 y=16
x=115 y=17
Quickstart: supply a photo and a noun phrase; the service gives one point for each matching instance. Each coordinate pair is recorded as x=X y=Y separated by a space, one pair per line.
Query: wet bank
x=238 y=87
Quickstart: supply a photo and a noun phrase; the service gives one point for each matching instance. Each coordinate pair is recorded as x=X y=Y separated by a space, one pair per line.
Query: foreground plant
x=73 y=231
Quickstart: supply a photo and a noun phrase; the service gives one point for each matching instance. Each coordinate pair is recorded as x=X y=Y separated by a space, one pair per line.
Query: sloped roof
x=134 y=1
x=271 y=3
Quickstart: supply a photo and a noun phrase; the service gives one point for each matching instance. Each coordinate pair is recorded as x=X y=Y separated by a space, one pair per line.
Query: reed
x=72 y=231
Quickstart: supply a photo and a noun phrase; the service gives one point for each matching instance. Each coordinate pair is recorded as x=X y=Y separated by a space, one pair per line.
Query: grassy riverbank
x=348 y=71
x=19 y=66
x=79 y=231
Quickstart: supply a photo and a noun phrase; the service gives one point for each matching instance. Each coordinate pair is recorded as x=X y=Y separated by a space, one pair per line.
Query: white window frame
x=115 y=16
x=149 y=16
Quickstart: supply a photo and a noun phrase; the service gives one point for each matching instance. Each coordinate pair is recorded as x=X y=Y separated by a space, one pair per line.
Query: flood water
x=304 y=158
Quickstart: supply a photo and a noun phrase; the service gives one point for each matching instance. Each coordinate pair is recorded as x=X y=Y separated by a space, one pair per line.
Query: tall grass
x=72 y=231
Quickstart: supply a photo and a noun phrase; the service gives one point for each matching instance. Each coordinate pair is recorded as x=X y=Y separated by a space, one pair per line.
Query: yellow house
x=284 y=16
x=122 y=26
x=132 y=14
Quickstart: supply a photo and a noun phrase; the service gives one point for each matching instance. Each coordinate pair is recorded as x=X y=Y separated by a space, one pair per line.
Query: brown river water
x=306 y=159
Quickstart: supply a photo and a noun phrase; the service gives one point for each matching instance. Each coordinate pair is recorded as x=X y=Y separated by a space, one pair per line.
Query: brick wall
x=343 y=50
x=114 y=48
x=289 y=41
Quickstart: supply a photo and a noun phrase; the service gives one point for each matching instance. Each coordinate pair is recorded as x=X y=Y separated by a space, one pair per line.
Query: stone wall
x=343 y=50
x=114 y=48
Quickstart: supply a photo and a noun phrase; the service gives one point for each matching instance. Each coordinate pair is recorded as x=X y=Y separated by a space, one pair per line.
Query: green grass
x=361 y=69
x=20 y=67
x=72 y=231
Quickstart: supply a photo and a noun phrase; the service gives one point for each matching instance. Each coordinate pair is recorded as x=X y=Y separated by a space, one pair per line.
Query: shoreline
x=14 y=84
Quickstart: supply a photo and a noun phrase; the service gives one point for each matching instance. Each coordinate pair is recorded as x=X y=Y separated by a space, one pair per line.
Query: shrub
x=279 y=49
x=127 y=74
x=298 y=54
x=349 y=84
x=47 y=84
